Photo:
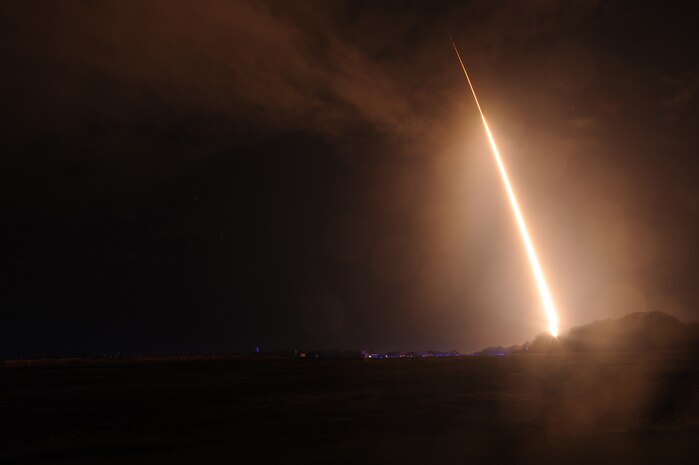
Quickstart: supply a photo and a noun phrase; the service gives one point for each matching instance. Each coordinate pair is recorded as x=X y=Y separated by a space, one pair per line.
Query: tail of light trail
x=545 y=295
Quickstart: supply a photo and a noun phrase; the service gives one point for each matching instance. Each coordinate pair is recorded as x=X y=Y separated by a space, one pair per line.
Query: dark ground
x=614 y=408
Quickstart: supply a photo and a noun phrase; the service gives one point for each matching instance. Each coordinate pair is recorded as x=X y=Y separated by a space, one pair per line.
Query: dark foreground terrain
x=555 y=408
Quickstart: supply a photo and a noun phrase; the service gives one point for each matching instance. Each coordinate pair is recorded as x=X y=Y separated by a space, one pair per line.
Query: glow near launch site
x=544 y=293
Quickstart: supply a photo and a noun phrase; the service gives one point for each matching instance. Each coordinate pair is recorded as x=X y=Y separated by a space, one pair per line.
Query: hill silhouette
x=635 y=332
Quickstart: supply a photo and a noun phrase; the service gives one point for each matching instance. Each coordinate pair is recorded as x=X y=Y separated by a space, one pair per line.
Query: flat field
x=539 y=409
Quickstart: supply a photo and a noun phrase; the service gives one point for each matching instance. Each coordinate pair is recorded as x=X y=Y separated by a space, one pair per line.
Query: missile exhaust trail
x=544 y=294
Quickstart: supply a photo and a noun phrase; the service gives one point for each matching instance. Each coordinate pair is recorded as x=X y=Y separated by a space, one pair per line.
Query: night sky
x=211 y=176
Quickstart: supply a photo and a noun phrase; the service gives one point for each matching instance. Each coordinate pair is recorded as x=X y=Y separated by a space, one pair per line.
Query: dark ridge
x=635 y=332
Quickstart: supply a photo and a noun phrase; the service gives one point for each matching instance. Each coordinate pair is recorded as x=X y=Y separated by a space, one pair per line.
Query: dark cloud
x=683 y=92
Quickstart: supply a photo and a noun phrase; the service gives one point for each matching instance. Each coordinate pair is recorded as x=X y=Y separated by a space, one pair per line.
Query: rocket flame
x=546 y=299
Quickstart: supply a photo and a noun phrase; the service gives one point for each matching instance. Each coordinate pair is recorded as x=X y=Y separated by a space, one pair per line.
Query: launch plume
x=544 y=293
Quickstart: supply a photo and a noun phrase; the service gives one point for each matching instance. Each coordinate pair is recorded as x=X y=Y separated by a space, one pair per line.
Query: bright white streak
x=549 y=307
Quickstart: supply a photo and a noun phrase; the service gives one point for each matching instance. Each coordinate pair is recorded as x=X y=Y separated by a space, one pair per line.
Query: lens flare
x=545 y=295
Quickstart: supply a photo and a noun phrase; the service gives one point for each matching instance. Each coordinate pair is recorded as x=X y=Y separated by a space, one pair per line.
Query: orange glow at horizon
x=544 y=293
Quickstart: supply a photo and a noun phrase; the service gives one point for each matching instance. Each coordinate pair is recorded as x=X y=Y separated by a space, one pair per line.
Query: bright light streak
x=546 y=299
